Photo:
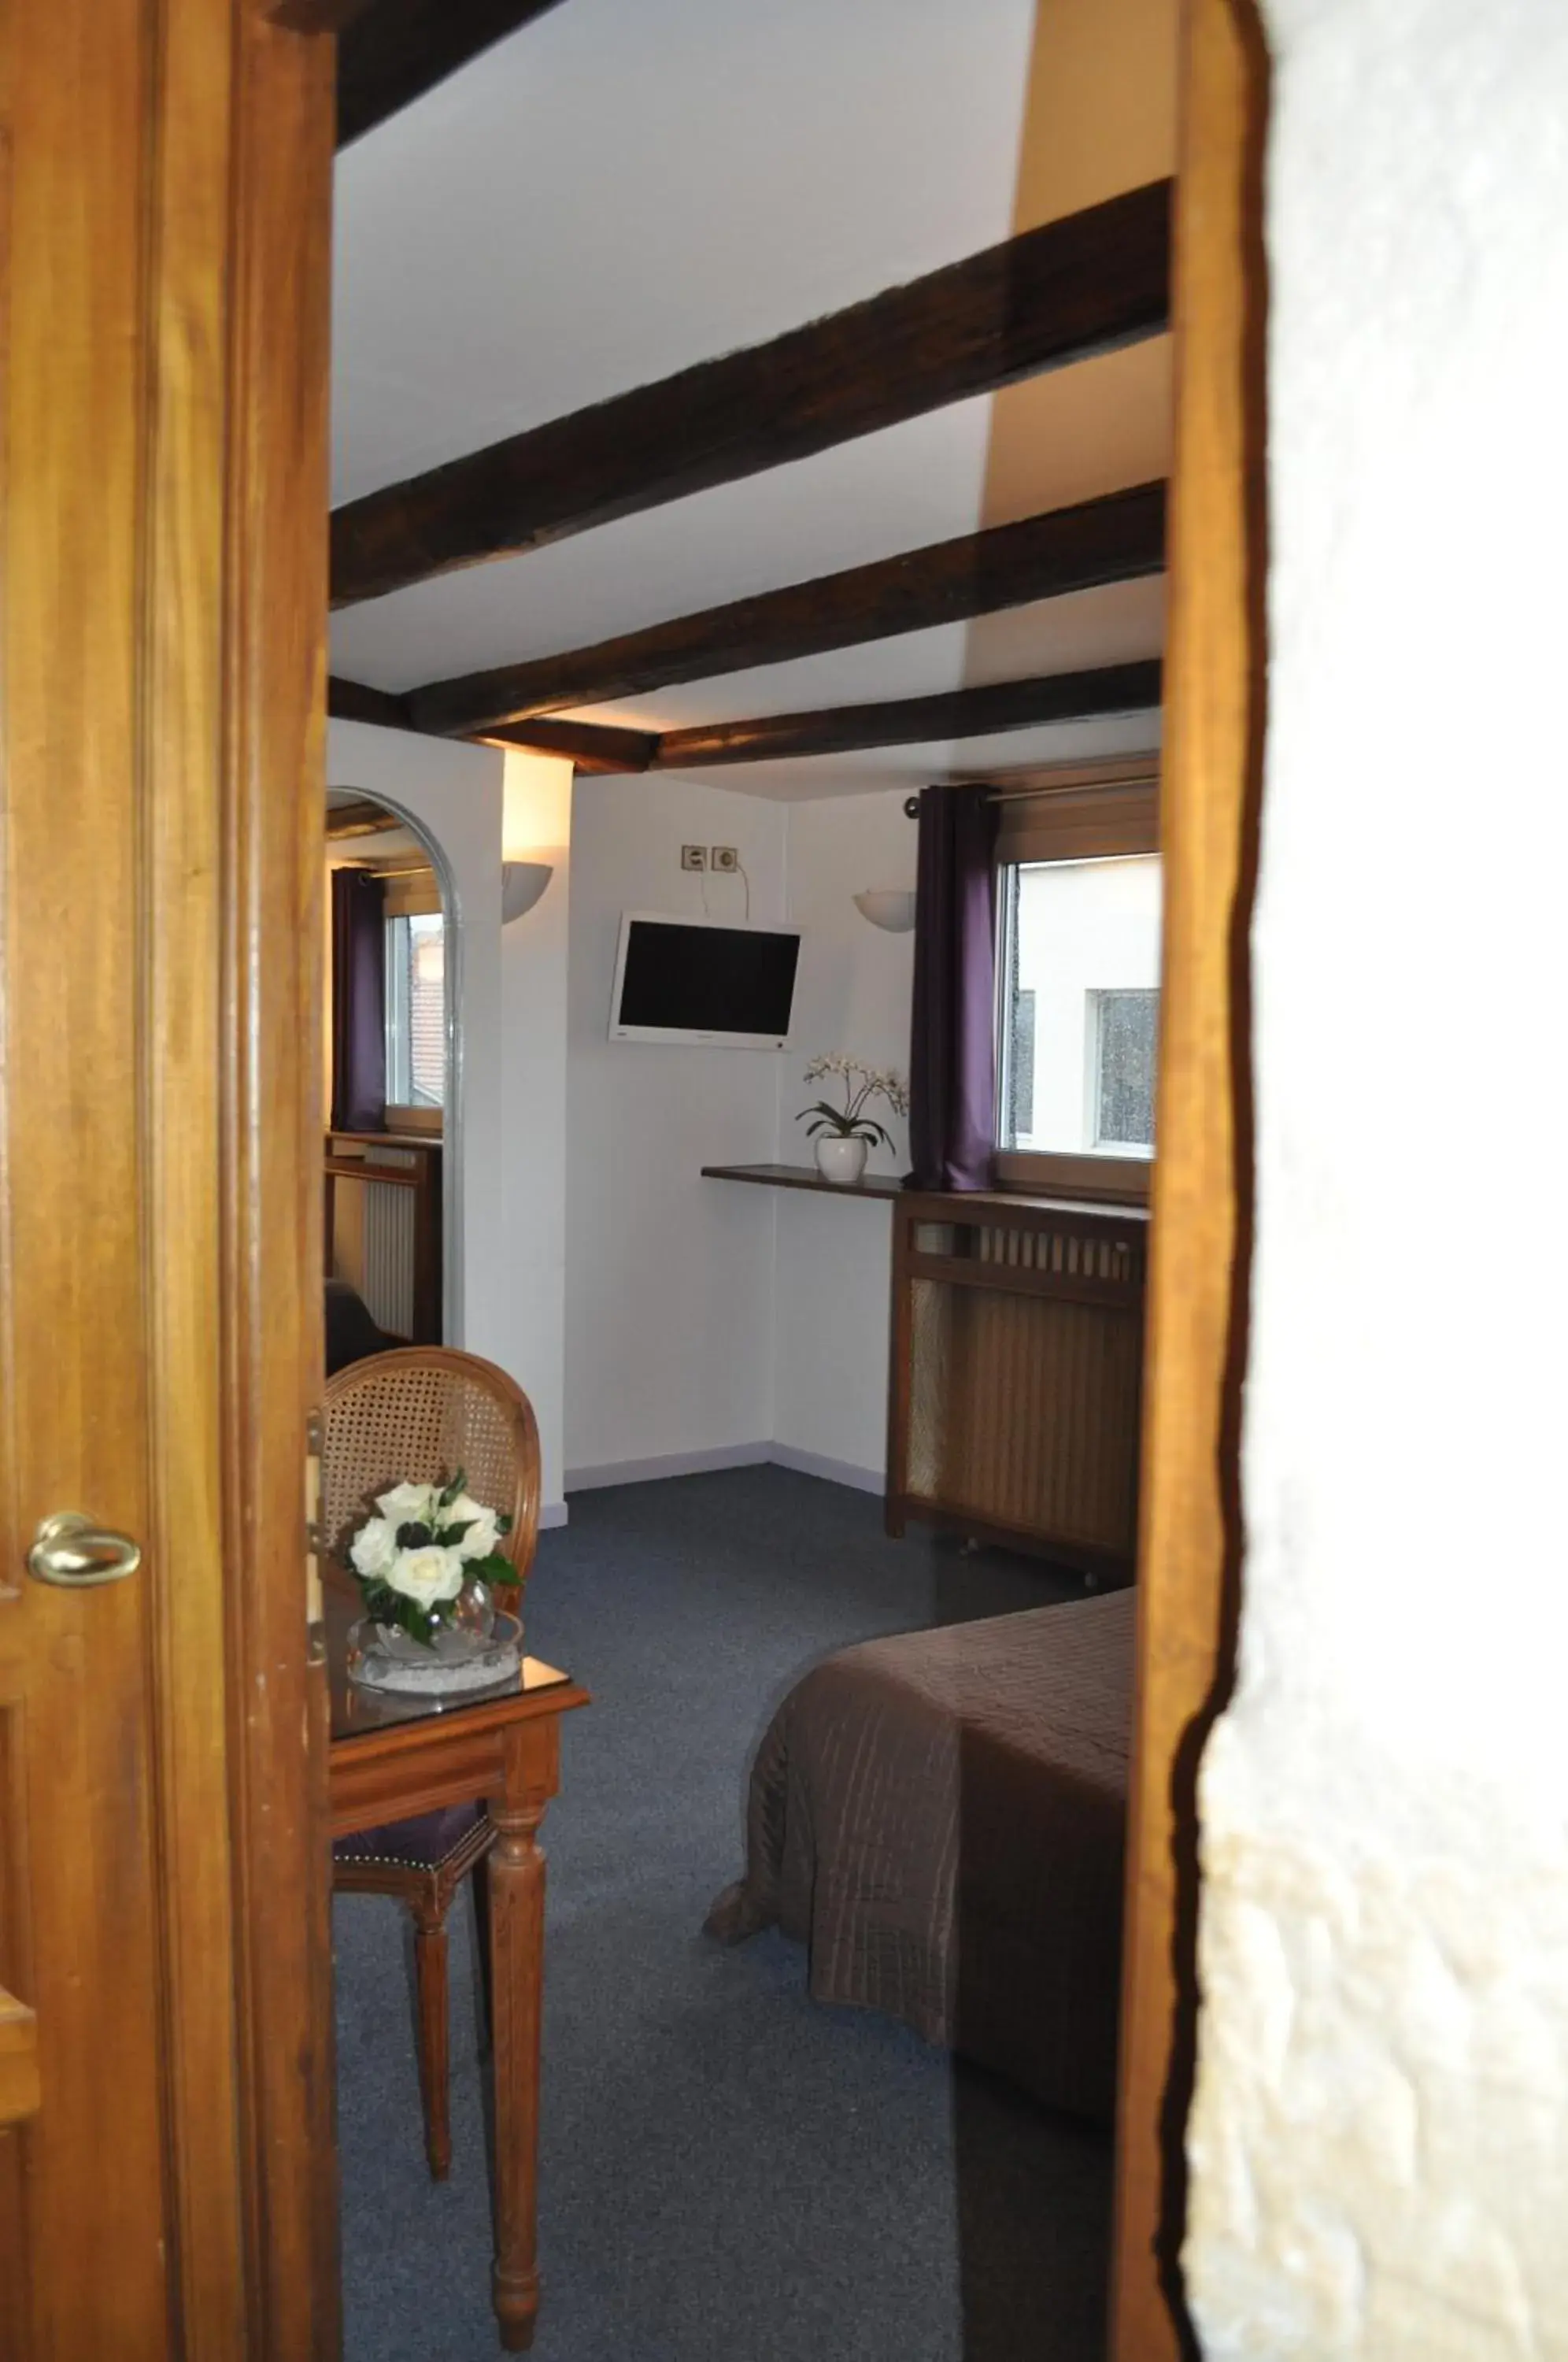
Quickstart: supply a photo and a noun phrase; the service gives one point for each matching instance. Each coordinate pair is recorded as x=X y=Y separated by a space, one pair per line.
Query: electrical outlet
x=725 y=857
x=694 y=857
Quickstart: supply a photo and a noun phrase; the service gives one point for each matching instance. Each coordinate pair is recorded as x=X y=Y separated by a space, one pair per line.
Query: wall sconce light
x=522 y=884
x=891 y=908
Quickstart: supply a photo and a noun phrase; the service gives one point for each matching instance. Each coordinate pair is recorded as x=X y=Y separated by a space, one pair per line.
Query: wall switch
x=726 y=858
x=694 y=857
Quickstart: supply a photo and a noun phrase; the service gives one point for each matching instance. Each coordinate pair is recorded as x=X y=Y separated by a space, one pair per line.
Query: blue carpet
x=729 y=2173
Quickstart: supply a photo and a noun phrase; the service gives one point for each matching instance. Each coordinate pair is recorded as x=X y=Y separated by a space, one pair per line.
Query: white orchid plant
x=421 y=1548
x=861 y=1084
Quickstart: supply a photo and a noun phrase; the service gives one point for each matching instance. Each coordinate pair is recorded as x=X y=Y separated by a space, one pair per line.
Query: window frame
x=1091 y=812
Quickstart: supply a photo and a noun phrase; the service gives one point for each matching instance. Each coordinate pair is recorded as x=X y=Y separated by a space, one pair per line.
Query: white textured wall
x=1380 y=2136
x=832 y=1286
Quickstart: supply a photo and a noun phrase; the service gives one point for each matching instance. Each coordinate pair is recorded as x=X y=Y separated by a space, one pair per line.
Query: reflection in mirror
x=389 y=1030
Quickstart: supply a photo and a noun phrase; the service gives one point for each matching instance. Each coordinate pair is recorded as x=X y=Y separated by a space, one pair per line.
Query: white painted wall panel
x=537 y=826
x=669 y=1278
x=831 y=1352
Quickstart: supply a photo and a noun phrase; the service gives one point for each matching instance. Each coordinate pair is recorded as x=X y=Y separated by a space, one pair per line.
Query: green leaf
x=385 y=1606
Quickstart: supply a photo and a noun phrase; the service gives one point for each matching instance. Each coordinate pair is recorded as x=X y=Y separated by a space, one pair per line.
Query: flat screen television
x=703 y=980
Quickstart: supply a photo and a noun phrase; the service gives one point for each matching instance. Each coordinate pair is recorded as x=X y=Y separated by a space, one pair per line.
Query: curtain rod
x=415 y=865
x=1074 y=781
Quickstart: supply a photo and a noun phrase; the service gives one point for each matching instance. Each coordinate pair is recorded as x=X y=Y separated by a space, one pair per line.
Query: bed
x=940 y=1819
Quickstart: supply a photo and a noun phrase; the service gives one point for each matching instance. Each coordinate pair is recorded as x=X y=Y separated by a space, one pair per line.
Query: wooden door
x=1191 y=1536
x=165 y=2160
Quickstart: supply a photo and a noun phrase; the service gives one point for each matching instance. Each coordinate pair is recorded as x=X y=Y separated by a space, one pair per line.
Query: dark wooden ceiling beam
x=782 y=737
x=912 y=721
x=390 y=51
x=1115 y=539
x=592 y=745
x=1056 y=294
x=316 y=16
x=354 y=701
x=361 y=818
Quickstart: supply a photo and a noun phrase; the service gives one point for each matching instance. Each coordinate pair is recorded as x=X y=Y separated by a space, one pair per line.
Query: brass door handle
x=77 y=1553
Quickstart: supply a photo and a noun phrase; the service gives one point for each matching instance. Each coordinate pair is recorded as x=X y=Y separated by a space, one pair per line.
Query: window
x=416 y=1010
x=1078 y=1019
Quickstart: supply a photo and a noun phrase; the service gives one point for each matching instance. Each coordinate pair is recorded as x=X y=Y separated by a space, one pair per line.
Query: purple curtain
x=358 y=1002
x=953 y=1085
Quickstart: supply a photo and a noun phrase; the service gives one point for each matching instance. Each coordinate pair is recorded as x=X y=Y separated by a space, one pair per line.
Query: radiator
x=388 y=1285
x=1017 y=1378
x=374 y=1243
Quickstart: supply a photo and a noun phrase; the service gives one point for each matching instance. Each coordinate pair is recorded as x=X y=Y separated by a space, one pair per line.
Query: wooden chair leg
x=430 y=1977
x=481 y=1944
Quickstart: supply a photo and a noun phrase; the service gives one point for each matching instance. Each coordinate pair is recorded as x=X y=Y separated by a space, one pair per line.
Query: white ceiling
x=621 y=190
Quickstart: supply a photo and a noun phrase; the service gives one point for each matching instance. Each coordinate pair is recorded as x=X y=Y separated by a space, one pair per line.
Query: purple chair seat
x=425 y=1842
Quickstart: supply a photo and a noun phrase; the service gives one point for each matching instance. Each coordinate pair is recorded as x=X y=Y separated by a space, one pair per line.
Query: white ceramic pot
x=841 y=1162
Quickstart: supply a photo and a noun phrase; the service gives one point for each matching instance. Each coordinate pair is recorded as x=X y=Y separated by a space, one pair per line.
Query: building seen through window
x=417 y=1010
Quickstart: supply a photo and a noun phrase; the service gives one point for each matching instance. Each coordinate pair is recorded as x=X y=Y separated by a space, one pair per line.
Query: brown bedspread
x=940 y=1818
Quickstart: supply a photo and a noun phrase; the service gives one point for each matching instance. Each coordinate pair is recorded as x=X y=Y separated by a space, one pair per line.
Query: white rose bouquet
x=423 y=1547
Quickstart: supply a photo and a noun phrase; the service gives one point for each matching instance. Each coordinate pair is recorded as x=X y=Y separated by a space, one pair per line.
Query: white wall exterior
x=832 y=1286
x=669 y=1278
x=504 y=1174
x=1380 y=2136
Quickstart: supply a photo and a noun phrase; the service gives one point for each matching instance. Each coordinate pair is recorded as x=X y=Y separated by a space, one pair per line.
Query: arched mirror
x=391 y=1032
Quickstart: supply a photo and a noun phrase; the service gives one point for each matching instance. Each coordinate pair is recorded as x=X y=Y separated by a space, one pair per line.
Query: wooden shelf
x=968 y=1205
x=806 y=1177
x=389 y=1139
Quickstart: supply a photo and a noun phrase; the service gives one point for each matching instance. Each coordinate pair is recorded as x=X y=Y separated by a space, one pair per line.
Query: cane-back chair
x=421 y=1413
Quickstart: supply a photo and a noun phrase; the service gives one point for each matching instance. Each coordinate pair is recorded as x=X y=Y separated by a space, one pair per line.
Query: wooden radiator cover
x=1016 y=1390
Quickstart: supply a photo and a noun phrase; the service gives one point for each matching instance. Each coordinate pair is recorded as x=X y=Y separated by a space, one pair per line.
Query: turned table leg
x=434 y=2015
x=516 y=1869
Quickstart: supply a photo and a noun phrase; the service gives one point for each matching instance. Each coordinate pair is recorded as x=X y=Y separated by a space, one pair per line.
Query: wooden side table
x=392 y=1757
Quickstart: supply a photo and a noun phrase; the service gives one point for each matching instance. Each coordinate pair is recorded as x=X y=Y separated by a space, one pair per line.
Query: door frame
x=274 y=779
x=273 y=1113
x=1190 y=1537
x=1190 y=1542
